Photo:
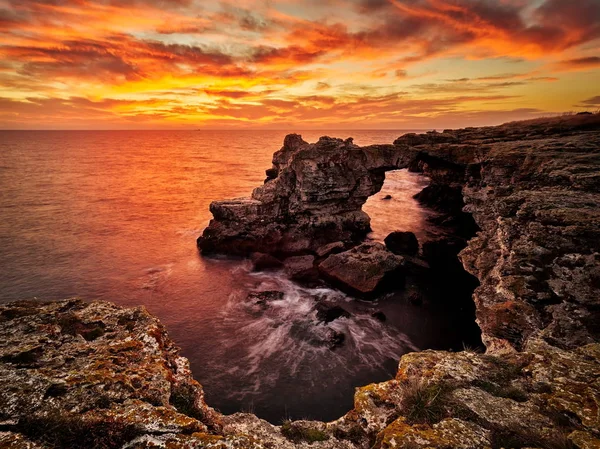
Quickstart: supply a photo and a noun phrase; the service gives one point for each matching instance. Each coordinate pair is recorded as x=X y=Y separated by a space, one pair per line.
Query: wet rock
x=379 y=316
x=263 y=298
x=366 y=270
x=265 y=262
x=400 y=242
x=415 y=298
x=416 y=266
x=442 y=198
x=301 y=269
x=327 y=313
x=316 y=335
x=331 y=248
x=335 y=339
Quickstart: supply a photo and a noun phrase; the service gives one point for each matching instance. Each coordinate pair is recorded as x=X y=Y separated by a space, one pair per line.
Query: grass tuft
x=424 y=403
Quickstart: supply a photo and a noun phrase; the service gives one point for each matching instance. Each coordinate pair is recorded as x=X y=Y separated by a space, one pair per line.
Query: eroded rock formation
x=312 y=197
x=95 y=372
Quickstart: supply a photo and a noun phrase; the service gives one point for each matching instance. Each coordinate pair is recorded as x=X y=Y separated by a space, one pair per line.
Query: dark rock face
x=313 y=196
x=365 y=270
x=327 y=314
x=265 y=262
x=402 y=243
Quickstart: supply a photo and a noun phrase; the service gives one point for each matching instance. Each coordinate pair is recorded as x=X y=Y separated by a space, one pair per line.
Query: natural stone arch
x=313 y=195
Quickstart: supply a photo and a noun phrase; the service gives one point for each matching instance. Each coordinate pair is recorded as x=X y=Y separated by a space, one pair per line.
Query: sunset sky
x=301 y=64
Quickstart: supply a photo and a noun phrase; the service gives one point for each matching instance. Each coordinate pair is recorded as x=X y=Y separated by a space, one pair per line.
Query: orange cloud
x=260 y=62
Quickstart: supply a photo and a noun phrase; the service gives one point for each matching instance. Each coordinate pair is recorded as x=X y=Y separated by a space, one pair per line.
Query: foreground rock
x=366 y=270
x=301 y=269
x=265 y=262
x=79 y=375
x=75 y=374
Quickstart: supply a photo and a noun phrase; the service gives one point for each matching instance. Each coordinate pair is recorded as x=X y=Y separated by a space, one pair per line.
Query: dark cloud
x=590 y=62
x=291 y=55
x=594 y=101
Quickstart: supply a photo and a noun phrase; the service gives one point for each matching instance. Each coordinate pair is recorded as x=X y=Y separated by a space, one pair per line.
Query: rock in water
x=400 y=242
x=264 y=297
x=366 y=270
x=379 y=316
x=327 y=314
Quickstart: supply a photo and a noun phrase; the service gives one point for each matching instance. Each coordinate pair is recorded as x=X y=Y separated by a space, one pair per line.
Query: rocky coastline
x=521 y=203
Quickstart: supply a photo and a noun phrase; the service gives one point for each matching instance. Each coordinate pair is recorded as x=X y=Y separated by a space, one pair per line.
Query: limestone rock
x=83 y=370
x=313 y=196
x=366 y=270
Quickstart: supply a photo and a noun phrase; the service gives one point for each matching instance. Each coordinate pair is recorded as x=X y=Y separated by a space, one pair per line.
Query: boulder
x=402 y=242
x=327 y=313
x=365 y=271
x=335 y=339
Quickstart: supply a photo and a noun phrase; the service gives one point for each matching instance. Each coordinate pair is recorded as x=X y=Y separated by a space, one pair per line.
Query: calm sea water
x=115 y=216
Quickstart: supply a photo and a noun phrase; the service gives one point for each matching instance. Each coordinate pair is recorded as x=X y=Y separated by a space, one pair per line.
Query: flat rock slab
x=366 y=270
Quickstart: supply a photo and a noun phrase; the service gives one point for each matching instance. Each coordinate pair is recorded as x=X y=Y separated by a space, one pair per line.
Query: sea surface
x=114 y=215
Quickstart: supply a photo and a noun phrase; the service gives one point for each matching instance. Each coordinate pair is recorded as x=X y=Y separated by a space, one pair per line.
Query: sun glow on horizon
x=404 y=64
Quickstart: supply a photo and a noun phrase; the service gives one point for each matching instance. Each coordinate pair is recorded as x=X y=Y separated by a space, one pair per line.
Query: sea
x=114 y=215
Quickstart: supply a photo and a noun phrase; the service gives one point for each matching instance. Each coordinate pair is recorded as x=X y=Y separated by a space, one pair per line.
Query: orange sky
x=294 y=64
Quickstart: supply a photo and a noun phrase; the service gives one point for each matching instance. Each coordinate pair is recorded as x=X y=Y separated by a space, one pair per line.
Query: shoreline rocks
x=79 y=375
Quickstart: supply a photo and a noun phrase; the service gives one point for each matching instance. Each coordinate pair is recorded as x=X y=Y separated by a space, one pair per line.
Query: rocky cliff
x=96 y=375
x=312 y=196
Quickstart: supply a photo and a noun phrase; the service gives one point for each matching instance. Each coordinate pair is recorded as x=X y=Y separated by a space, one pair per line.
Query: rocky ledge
x=84 y=375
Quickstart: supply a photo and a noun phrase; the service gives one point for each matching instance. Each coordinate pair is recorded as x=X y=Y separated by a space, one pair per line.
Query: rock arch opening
x=308 y=217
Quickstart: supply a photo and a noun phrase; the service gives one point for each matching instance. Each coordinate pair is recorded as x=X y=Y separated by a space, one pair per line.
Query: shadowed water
x=115 y=215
